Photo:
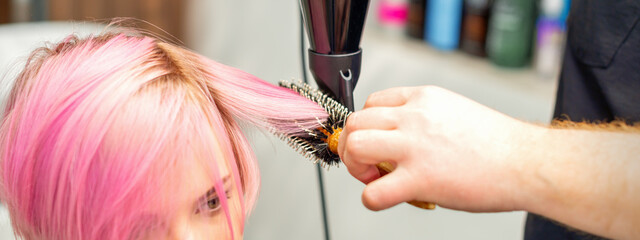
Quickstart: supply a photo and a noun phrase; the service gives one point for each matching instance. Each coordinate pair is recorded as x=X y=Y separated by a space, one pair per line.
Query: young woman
x=123 y=136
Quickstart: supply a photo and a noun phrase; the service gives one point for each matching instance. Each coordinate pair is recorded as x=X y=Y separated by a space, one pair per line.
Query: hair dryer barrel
x=335 y=30
x=334 y=26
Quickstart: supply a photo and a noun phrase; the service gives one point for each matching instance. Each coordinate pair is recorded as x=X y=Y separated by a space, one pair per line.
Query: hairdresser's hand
x=447 y=149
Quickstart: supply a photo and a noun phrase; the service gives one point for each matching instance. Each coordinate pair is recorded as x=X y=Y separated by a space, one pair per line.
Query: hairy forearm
x=586 y=178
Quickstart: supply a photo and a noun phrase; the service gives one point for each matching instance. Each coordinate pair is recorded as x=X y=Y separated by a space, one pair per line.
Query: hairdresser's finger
x=362 y=151
x=359 y=170
x=383 y=118
x=342 y=141
x=375 y=146
x=366 y=174
x=363 y=172
x=388 y=191
x=392 y=97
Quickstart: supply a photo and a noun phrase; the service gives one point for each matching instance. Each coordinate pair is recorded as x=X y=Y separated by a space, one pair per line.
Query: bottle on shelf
x=442 y=26
x=415 y=18
x=551 y=35
x=392 y=16
x=510 y=36
x=474 y=26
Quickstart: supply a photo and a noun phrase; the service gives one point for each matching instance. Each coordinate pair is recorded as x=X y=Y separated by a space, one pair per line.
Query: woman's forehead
x=200 y=176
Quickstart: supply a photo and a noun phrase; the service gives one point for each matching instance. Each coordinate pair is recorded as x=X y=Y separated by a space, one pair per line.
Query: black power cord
x=318 y=167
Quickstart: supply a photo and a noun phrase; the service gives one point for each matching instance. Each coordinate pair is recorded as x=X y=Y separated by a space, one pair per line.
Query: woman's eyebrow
x=212 y=190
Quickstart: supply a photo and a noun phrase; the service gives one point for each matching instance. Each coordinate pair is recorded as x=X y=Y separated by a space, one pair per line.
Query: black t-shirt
x=600 y=79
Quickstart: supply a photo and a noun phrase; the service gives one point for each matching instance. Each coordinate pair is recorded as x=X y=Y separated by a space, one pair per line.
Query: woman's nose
x=181 y=229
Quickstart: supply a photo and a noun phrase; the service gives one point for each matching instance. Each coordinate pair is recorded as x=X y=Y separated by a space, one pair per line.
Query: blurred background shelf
x=391 y=61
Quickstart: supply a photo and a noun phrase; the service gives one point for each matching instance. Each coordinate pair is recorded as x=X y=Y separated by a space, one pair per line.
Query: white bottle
x=551 y=29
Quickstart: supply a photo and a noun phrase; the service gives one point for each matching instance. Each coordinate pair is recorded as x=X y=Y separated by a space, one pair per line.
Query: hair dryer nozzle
x=337 y=74
x=335 y=29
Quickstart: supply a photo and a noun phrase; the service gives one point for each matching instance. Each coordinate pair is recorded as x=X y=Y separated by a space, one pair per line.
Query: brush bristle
x=312 y=143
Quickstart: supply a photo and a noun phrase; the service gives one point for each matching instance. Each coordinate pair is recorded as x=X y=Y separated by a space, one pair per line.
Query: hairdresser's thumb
x=388 y=191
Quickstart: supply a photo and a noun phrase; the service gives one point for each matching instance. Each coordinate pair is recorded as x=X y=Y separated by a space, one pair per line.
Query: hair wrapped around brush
x=94 y=128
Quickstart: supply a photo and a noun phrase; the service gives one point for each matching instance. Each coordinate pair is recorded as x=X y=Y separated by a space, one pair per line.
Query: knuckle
x=352 y=121
x=414 y=116
x=371 y=99
x=389 y=115
x=352 y=145
x=429 y=90
x=356 y=145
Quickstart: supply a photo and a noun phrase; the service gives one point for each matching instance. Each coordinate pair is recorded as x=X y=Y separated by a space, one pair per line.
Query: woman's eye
x=213 y=204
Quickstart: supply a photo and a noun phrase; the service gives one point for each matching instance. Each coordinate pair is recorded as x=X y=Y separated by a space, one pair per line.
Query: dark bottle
x=474 y=26
x=415 y=18
x=511 y=28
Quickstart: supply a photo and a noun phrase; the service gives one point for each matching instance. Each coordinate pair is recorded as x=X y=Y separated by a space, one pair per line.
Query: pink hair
x=95 y=128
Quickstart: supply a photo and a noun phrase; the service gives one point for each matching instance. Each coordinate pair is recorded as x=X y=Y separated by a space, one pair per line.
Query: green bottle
x=511 y=28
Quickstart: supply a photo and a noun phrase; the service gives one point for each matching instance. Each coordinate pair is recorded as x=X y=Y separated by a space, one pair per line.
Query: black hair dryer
x=335 y=29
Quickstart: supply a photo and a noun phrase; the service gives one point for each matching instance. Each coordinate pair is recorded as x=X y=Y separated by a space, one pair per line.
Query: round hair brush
x=321 y=144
